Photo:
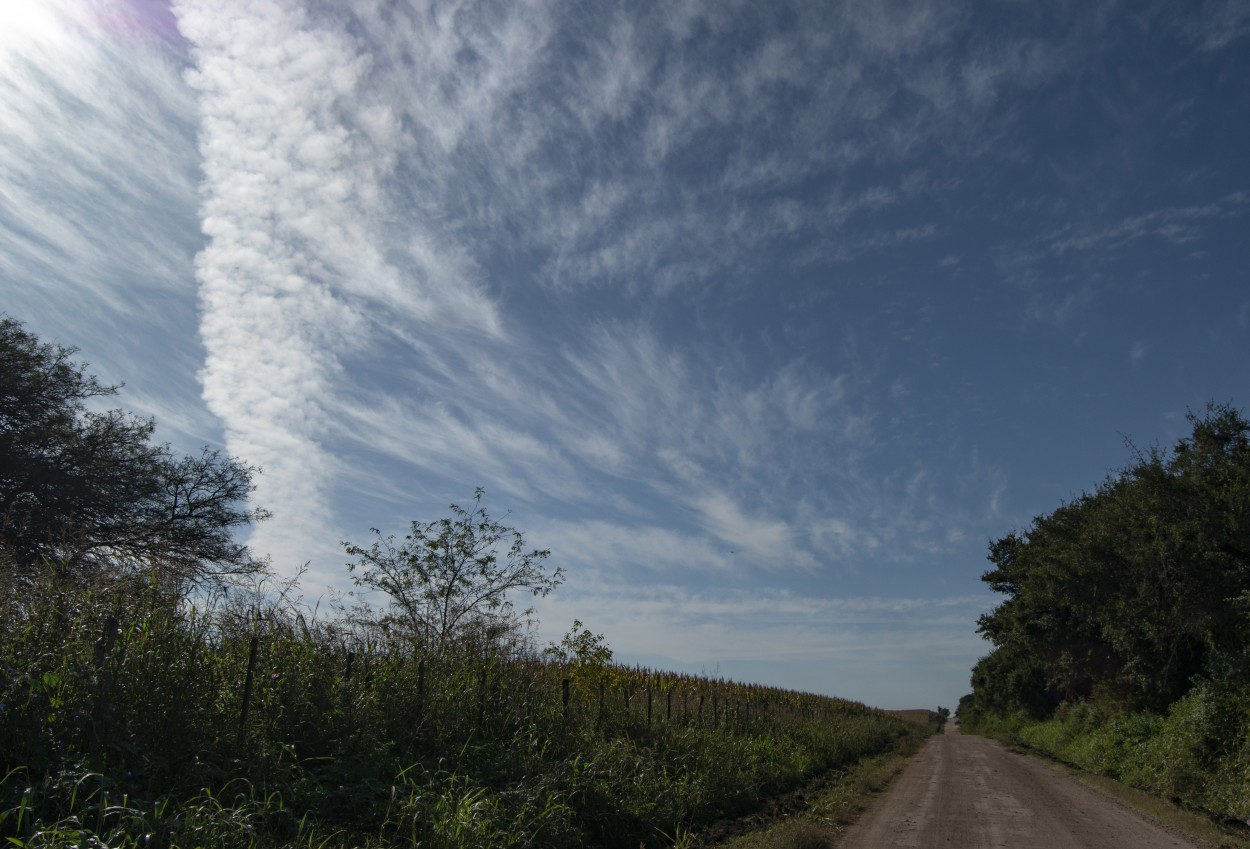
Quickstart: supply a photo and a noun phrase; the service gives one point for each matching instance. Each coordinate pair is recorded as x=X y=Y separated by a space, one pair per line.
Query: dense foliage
x=133 y=722
x=1130 y=608
x=147 y=701
x=90 y=491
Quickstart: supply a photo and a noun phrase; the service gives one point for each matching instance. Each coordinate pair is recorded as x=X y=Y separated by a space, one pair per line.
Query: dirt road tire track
x=972 y=793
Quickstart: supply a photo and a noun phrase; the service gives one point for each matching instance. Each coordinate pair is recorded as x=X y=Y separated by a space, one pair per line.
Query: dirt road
x=971 y=793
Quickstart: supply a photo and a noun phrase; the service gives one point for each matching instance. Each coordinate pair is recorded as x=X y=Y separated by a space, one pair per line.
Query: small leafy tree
x=580 y=648
x=451 y=578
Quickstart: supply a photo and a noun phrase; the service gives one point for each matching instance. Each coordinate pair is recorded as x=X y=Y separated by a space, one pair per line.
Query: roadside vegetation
x=159 y=687
x=817 y=816
x=1123 y=646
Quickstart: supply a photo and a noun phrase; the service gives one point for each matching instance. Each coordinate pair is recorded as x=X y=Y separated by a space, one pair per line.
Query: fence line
x=507 y=693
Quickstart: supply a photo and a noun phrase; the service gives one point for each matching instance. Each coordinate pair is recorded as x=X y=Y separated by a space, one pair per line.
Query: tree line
x=1133 y=600
x=1130 y=591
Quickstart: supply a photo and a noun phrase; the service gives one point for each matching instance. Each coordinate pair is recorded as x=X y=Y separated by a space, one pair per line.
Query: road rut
x=969 y=792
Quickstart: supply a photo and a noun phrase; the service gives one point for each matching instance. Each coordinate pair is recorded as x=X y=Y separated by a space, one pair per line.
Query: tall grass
x=128 y=718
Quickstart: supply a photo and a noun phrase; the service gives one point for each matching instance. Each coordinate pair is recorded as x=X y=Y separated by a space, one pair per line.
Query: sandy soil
x=968 y=792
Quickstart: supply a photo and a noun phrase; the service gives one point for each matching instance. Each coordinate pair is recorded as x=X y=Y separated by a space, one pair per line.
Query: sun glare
x=26 y=24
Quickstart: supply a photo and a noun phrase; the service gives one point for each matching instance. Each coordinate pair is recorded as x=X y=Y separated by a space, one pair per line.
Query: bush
x=1197 y=754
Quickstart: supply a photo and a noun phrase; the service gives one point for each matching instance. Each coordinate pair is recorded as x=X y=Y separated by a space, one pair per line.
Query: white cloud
x=613 y=550
x=1177 y=225
x=97 y=198
x=710 y=625
x=764 y=539
x=284 y=196
x=298 y=148
x=1215 y=24
x=1063 y=307
x=386 y=190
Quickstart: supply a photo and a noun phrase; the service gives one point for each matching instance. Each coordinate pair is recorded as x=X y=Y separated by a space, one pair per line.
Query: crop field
x=131 y=718
x=919 y=717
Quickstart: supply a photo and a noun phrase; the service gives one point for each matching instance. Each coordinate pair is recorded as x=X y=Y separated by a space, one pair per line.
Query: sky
x=764 y=318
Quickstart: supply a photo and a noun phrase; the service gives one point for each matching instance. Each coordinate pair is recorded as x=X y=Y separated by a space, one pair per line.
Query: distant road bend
x=972 y=793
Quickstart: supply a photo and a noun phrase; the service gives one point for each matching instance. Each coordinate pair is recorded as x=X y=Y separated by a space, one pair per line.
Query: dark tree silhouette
x=89 y=492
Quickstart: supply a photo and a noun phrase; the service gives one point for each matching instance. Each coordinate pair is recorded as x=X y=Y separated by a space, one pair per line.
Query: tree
x=90 y=492
x=451 y=578
x=580 y=649
x=1130 y=592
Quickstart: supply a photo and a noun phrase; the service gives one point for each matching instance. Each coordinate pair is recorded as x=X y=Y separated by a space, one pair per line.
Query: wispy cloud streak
x=98 y=221
x=400 y=182
x=760 y=295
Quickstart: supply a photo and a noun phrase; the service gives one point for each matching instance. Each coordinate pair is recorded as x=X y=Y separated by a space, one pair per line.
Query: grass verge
x=1188 y=768
x=1197 y=826
x=817 y=817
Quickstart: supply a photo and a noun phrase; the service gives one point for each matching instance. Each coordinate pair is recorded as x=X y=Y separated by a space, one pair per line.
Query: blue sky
x=763 y=317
